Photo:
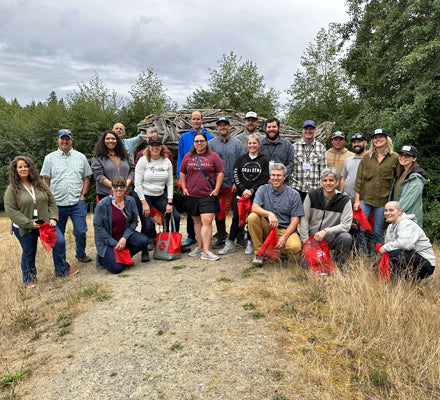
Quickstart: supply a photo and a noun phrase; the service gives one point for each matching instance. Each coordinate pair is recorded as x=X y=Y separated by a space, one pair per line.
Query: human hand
x=281 y=242
x=145 y=210
x=320 y=235
x=273 y=221
x=169 y=209
x=247 y=194
x=121 y=244
x=52 y=222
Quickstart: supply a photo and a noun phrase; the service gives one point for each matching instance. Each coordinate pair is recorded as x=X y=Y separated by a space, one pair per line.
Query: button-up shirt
x=66 y=173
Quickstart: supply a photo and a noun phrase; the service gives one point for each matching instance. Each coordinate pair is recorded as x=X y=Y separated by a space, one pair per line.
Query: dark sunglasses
x=118 y=186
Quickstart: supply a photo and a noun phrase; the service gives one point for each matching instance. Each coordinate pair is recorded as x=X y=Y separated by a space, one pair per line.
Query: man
x=185 y=144
x=250 y=126
x=275 y=148
x=229 y=149
x=67 y=173
x=131 y=143
x=338 y=153
x=328 y=216
x=278 y=206
x=310 y=161
x=351 y=164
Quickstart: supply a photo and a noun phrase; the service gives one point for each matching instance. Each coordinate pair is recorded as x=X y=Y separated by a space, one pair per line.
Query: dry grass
x=351 y=338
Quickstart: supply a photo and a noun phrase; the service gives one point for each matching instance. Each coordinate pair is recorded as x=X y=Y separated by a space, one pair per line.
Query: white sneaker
x=249 y=248
x=229 y=248
x=209 y=256
x=195 y=252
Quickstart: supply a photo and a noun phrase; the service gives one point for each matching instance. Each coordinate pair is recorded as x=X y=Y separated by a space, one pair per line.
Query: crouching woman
x=115 y=221
x=410 y=250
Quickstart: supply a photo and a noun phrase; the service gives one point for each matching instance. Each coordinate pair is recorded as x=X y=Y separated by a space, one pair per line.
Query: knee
x=345 y=239
x=253 y=219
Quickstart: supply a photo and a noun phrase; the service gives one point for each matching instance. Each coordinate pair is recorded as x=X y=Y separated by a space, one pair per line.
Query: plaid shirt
x=66 y=173
x=309 y=162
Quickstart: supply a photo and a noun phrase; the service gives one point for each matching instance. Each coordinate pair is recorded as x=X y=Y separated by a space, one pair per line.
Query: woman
x=29 y=202
x=203 y=193
x=115 y=221
x=154 y=173
x=251 y=170
x=374 y=179
x=110 y=159
x=409 y=182
x=409 y=249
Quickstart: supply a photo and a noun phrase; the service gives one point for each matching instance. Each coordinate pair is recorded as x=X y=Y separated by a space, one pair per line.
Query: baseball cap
x=64 y=132
x=309 y=122
x=338 y=134
x=358 y=135
x=223 y=118
x=408 y=149
x=154 y=139
x=251 y=114
x=380 y=131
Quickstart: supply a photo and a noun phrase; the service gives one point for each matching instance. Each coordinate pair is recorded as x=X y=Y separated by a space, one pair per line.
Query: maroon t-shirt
x=196 y=183
x=118 y=223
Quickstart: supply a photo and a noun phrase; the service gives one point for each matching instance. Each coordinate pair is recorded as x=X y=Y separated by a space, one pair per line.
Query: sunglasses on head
x=118 y=186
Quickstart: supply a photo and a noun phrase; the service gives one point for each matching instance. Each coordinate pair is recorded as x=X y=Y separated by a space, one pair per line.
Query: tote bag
x=168 y=243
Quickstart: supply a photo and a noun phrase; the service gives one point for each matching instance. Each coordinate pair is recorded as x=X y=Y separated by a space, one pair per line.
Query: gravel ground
x=168 y=333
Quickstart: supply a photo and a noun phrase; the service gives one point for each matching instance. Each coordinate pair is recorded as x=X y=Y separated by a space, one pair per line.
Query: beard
x=273 y=137
x=359 y=149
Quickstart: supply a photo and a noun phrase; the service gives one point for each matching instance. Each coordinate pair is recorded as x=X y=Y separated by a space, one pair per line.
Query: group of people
x=301 y=190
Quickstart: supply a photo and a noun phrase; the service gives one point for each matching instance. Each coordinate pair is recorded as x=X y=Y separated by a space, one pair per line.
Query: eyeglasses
x=199 y=141
x=64 y=132
x=118 y=186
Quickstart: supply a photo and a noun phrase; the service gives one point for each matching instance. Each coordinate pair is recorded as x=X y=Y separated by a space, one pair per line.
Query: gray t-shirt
x=349 y=171
x=284 y=203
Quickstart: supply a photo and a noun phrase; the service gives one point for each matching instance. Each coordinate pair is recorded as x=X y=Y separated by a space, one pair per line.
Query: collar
x=273 y=190
x=311 y=144
x=62 y=152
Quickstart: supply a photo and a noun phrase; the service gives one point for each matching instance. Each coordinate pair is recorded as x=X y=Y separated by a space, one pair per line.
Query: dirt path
x=171 y=330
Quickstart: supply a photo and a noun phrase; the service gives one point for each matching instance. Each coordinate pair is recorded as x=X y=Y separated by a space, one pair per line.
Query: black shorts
x=201 y=205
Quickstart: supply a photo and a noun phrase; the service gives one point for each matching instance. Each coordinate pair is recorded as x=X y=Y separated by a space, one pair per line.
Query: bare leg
x=206 y=231
x=197 y=230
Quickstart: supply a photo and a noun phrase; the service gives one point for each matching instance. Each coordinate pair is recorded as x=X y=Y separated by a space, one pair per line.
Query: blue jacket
x=102 y=222
x=185 y=144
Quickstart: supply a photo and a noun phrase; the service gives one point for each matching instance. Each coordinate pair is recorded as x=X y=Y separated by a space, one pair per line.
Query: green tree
x=240 y=82
x=320 y=90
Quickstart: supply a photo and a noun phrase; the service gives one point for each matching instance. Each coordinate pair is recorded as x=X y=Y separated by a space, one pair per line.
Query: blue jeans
x=28 y=244
x=135 y=243
x=378 y=225
x=77 y=214
x=160 y=204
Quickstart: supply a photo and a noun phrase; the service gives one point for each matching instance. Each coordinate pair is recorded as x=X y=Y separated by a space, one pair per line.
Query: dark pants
x=160 y=204
x=235 y=230
x=189 y=223
x=135 y=243
x=408 y=263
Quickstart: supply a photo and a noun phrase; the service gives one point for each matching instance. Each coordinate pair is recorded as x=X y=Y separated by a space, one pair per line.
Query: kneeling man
x=411 y=253
x=276 y=206
x=328 y=216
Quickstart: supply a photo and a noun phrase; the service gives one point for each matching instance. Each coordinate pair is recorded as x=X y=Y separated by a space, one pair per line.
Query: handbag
x=168 y=243
x=217 y=203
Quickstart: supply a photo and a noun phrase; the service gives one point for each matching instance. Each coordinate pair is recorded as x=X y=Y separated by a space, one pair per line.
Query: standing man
x=250 y=126
x=351 y=164
x=327 y=216
x=229 y=149
x=276 y=206
x=67 y=173
x=338 y=153
x=275 y=148
x=185 y=144
x=310 y=161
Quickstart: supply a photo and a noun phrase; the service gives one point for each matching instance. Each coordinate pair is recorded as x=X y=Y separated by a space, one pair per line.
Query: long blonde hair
x=388 y=148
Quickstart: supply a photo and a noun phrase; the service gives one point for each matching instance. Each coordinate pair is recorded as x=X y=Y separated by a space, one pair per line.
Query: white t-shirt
x=151 y=177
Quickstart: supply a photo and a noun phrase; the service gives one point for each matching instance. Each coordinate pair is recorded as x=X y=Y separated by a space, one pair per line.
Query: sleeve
x=170 y=181
x=180 y=155
x=132 y=218
x=407 y=234
x=290 y=160
x=98 y=169
x=218 y=163
x=409 y=194
x=264 y=176
x=345 y=222
x=238 y=175
x=304 y=223
x=359 y=178
x=52 y=205
x=297 y=209
x=139 y=177
x=45 y=169
x=87 y=171
x=182 y=167
x=344 y=170
x=101 y=233
x=323 y=163
x=132 y=167
x=14 y=212
x=259 y=196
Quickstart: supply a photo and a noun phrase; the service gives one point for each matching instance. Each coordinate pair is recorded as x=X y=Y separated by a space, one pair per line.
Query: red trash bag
x=318 y=256
x=123 y=256
x=156 y=215
x=48 y=236
x=244 y=209
x=365 y=224
x=225 y=199
x=384 y=273
x=268 y=248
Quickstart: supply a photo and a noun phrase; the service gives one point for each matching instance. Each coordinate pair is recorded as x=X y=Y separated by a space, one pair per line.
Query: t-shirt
x=349 y=171
x=196 y=183
x=152 y=176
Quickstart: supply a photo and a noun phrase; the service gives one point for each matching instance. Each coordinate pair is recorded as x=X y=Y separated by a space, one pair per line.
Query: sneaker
x=249 y=248
x=229 y=248
x=151 y=246
x=145 y=257
x=241 y=243
x=73 y=272
x=257 y=261
x=189 y=242
x=84 y=259
x=185 y=249
x=99 y=265
x=31 y=285
x=209 y=256
x=195 y=252
x=218 y=244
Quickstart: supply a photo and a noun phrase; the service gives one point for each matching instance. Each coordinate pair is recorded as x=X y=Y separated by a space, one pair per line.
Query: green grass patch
x=176 y=347
x=249 y=306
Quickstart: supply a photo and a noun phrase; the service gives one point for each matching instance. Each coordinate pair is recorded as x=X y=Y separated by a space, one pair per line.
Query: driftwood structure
x=173 y=124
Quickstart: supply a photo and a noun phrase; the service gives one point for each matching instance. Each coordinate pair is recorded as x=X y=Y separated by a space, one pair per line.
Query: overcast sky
x=50 y=45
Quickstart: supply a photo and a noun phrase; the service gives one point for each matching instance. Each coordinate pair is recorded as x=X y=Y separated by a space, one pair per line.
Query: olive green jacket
x=21 y=209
